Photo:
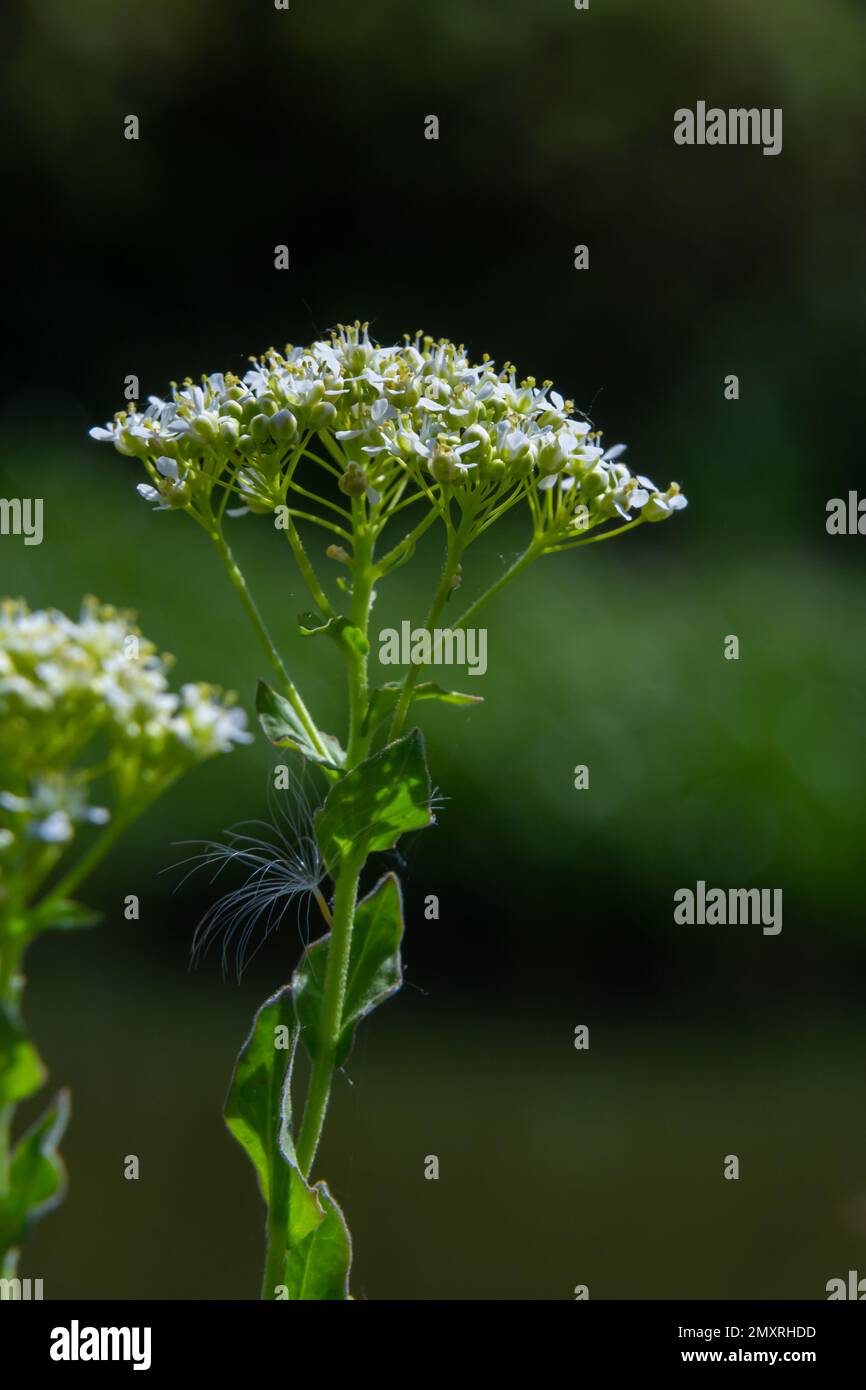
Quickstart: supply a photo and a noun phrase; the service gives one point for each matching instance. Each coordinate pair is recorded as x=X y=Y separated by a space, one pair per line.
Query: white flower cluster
x=67 y=686
x=419 y=406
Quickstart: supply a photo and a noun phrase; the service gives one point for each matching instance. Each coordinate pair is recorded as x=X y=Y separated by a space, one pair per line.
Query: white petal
x=56 y=829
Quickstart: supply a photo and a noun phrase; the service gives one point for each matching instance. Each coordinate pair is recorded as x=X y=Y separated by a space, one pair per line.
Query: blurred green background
x=558 y=1167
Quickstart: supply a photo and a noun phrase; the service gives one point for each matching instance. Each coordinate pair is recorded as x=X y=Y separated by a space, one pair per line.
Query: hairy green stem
x=330 y=1025
x=258 y=622
x=453 y=555
x=88 y=861
x=305 y=565
x=346 y=881
x=11 y=948
x=395 y=555
x=357 y=661
x=530 y=554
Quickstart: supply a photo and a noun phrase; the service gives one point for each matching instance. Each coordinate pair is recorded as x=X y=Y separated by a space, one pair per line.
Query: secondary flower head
x=86 y=702
x=419 y=411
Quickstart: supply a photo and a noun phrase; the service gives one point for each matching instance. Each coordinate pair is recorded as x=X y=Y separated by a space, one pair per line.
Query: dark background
x=156 y=257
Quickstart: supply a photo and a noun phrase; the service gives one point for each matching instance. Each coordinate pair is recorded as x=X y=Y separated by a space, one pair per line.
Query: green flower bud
x=204 y=427
x=260 y=428
x=177 y=495
x=247 y=444
x=233 y=409
x=482 y=449
x=594 y=482
x=444 y=465
x=230 y=432
x=322 y=415
x=284 y=426
x=551 y=459
x=354 y=481
x=522 y=460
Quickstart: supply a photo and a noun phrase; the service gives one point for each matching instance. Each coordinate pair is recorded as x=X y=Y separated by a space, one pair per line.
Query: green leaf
x=37 y=1178
x=375 y=971
x=385 y=697
x=258 y=1115
x=283 y=728
x=21 y=1069
x=65 y=915
x=315 y=1263
x=318 y=1267
x=260 y=1088
x=374 y=804
x=340 y=630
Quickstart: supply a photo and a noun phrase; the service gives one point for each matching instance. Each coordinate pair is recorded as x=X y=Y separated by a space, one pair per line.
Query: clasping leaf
x=21 y=1069
x=375 y=970
x=282 y=727
x=374 y=804
x=385 y=697
x=317 y=1249
x=37 y=1178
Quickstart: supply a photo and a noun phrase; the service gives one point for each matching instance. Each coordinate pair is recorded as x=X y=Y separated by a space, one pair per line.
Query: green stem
x=7 y=1113
x=531 y=553
x=446 y=584
x=88 y=862
x=276 y=1248
x=594 y=540
x=306 y=567
x=258 y=622
x=346 y=881
x=363 y=573
x=11 y=949
x=336 y=975
x=411 y=539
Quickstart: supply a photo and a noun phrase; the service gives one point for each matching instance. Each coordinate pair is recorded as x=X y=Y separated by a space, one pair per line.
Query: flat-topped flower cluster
x=89 y=699
x=420 y=409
